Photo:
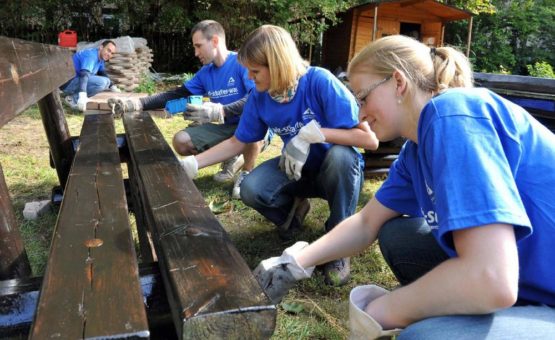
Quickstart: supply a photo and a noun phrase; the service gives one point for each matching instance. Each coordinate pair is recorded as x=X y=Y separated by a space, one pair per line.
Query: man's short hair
x=106 y=42
x=209 y=28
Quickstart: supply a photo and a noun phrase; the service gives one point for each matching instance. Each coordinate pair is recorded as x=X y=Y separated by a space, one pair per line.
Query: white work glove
x=120 y=106
x=82 y=101
x=206 y=113
x=296 y=151
x=362 y=325
x=114 y=88
x=190 y=165
x=277 y=275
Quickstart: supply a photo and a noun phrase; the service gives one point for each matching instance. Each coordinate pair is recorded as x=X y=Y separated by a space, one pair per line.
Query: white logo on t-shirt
x=308 y=115
x=231 y=81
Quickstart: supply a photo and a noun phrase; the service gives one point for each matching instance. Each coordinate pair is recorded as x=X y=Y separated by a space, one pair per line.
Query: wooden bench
x=92 y=287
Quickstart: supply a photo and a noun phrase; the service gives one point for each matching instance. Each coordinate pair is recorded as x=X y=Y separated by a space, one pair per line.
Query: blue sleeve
x=472 y=179
x=195 y=85
x=251 y=128
x=397 y=192
x=337 y=102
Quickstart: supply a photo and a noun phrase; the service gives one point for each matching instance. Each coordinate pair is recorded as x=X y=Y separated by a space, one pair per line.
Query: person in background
x=317 y=118
x=466 y=217
x=90 y=75
x=224 y=80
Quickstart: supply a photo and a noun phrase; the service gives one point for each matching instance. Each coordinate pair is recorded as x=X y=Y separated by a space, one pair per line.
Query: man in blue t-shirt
x=225 y=81
x=90 y=75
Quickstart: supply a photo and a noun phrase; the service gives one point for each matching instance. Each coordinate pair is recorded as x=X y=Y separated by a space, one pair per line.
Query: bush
x=541 y=69
x=147 y=84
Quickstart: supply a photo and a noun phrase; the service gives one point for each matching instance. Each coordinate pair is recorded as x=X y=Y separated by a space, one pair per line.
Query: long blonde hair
x=429 y=69
x=273 y=47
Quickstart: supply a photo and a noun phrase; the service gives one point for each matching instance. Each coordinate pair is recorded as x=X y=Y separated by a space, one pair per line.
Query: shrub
x=541 y=69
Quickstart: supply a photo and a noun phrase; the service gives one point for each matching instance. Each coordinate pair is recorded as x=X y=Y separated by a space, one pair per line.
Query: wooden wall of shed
x=337 y=42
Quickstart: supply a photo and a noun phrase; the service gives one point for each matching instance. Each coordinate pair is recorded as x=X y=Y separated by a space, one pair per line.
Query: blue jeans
x=268 y=190
x=411 y=251
x=95 y=85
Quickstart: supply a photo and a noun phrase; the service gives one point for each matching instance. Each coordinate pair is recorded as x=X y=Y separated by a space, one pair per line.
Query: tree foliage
x=507 y=34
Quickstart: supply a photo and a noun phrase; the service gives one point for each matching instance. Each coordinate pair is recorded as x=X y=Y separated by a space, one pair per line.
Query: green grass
x=311 y=310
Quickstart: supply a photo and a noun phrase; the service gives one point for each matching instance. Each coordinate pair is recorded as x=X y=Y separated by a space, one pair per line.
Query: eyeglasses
x=362 y=95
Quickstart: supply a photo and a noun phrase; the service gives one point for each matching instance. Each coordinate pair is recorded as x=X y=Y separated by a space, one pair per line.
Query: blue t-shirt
x=319 y=96
x=88 y=59
x=225 y=84
x=481 y=159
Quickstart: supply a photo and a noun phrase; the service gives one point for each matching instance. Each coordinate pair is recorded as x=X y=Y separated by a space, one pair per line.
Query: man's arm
x=158 y=101
x=83 y=80
x=235 y=108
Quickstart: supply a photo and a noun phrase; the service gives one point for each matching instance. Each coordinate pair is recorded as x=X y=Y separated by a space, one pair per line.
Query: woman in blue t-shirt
x=466 y=218
x=317 y=118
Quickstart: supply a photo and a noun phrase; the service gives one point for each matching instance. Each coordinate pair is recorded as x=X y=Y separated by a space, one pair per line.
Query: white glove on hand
x=277 y=275
x=296 y=151
x=114 y=88
x=206 y=113
x=120 y=106
x=362 y=325
x=82 y=101
x=190 y=165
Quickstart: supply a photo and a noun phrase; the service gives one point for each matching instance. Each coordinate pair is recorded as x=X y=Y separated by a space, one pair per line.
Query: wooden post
x=57 y=133
x=375 y=28
x=13 y=258
x=469 y=39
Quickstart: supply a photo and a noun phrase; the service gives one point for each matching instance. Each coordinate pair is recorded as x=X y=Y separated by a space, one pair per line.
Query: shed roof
x=442 y=11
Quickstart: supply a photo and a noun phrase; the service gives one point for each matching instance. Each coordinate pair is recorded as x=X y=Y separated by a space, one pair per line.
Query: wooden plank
x=545 y=86
x=211 y=290
x=13 y=258
x=19 y=297
x=91 y=290
x=28 y=72
x=58 y=135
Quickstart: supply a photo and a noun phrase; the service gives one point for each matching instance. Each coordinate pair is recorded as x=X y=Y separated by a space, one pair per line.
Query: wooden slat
x=211 y=290
x=28 y=72
x=87 y=291
x=19 y=297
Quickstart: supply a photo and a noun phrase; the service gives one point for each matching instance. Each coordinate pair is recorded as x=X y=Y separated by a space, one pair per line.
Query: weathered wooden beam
x=211 y=290
x=57 y=134
x=28 y=72
x=91 y=285
x=13 y=258
x=19 y=298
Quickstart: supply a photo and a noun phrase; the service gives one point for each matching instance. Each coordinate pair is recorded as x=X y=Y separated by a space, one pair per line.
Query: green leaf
x=293 y=307
x=220 y=207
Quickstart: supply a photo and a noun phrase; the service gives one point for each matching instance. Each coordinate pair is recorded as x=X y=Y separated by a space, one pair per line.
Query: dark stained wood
x=58 y=135
x=211 y=290
x=28 y=72
x=19 y=297
x=544 y=87
x=13 y=258
x=91 y=285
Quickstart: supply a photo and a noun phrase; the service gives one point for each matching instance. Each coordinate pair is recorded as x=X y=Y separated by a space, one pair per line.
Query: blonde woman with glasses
x=466 y=217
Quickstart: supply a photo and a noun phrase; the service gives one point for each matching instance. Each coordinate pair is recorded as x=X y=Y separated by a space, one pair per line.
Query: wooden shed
x=422 y=19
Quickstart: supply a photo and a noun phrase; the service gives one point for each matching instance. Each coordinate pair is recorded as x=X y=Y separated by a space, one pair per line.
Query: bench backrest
x=28 y=72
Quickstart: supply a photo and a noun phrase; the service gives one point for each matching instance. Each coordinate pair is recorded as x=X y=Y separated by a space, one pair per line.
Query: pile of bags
x=132 y=59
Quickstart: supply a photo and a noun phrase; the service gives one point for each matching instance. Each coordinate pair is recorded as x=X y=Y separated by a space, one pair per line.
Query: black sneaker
x=338 y=272
x=293 y=223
